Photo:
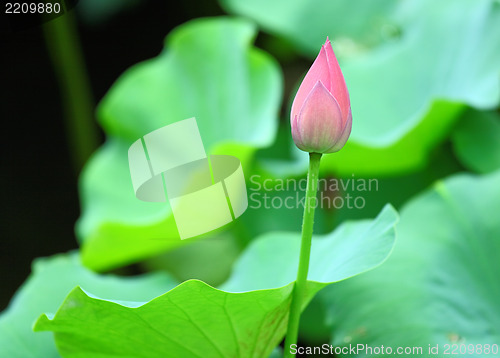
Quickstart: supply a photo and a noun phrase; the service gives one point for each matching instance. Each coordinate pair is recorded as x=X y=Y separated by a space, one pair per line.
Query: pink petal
x=318 y=72
x=296 y=134
x=344 y=135
x=337 y=87
x=320 y=120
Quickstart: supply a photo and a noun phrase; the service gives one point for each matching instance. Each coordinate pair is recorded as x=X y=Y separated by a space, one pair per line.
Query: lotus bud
x=321 y=111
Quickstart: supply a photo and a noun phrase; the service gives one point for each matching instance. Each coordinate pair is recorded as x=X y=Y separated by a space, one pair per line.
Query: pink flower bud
x=321 y=111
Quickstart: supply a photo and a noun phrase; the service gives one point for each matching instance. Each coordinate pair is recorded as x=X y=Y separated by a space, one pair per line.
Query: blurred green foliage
x=232 y=88
x=306 y=23
x=476 y=141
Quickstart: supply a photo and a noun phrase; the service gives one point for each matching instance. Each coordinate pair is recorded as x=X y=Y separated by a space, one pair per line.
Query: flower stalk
x=300 y=287
x=321 y=122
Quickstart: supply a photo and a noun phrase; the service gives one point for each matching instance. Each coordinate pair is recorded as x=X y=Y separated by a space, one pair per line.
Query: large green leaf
x=476 y=141
x=440 y=286
x=208 y=70
x=52 y=279
x=407 y=93
x=196 y=320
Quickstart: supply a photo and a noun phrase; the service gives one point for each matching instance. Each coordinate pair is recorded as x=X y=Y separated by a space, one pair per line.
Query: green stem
x=299 y=288
x=64 y=49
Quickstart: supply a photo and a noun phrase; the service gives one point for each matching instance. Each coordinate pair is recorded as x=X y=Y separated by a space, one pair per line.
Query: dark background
x=38 y=182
